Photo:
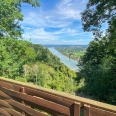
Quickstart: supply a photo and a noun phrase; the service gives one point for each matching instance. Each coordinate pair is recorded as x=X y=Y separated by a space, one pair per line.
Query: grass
x=79 y=53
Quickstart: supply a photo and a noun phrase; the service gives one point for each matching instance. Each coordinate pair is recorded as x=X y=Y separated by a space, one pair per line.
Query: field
x=81 y=53
x=72 y=51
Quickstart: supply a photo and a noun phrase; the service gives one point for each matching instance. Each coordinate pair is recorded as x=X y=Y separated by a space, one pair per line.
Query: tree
x=35 y=71
x=26 y=70
x=97 y=12
x=13 y=55
x=10 y=17
x=98 y=65
x=20 y=58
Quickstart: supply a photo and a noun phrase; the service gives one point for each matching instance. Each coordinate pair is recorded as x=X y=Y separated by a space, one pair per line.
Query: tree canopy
x=10 y=17
x=98 y=65
x=23 y=61
x=98 y=12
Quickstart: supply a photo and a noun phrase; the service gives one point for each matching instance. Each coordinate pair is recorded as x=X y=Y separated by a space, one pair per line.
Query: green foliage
x=21 y=79
x=14 y=54
x=97 y=12
x=21 y=60
x=98 y=65
x=10 y=17
x=34 y=63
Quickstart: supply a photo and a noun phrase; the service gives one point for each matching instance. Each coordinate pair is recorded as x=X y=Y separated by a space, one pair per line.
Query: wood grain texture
x=17 y=97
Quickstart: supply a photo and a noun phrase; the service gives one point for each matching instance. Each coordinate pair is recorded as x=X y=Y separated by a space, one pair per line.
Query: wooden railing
x=23 y=99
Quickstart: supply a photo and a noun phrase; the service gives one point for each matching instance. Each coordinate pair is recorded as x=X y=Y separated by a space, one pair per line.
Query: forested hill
x=24 y=61
x=98 y=65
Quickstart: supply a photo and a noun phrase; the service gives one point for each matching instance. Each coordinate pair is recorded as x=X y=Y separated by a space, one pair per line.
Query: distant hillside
x=84 y=46
x=71 y=51
x=27 y=62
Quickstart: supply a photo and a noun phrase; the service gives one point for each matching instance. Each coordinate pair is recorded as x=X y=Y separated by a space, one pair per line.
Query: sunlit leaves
x=10 y=17
x=98 y=12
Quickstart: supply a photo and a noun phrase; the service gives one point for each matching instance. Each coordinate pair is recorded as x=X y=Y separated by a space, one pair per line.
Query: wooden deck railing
x=22 y=99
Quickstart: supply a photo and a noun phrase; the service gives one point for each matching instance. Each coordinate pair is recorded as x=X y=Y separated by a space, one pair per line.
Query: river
x=72 y=64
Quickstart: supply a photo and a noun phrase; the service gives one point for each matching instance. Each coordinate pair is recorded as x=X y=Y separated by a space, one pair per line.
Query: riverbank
x=72 y=64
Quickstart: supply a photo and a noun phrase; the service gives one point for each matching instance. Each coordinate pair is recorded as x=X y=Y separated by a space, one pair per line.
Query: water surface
x=72 y=64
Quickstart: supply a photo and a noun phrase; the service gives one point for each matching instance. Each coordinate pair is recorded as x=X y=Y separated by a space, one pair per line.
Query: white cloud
x=62 y=16
x=39 y=34
x=71 y=8
x=58 y=37
x=67 y=31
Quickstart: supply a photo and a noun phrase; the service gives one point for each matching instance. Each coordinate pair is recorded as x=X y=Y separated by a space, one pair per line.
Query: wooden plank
x=77 y=109
x=5 y=104
x=23 y=91
x=2 y=111
x=52 y=112
x=109 y=113
x=27 y=104
x=50 y=97
x=39 y=101
x=86 y=110
x=104 y=106
x=96 y=112
x=7 y=107
x=12 y=112
x=42 y=94
x=99 y=112
x=9 y=103
x=2 y=94
x=25 y=108
x=20 y=106
x=10 y=86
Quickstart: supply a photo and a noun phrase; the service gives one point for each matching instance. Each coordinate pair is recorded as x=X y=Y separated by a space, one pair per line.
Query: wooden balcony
x=22 y=99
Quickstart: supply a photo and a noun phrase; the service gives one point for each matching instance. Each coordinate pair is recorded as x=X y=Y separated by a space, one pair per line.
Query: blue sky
x=55 y=22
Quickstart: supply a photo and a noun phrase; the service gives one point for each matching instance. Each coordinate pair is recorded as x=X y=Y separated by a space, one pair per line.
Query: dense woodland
x=98 y=65
x=23 y=61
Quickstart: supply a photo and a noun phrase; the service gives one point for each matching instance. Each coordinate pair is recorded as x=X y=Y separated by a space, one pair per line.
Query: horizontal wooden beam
x=47 y=96
x=26 y=109
x=4 y=112
x=50 y=95
x=39 y=101
x=5 y=104
x=8 y=102
x=99 y=112
x=12 y=111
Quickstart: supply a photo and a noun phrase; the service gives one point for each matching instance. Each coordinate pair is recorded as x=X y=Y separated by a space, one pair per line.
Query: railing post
x=77 y=109
x=86 y=110
x=23 y=91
